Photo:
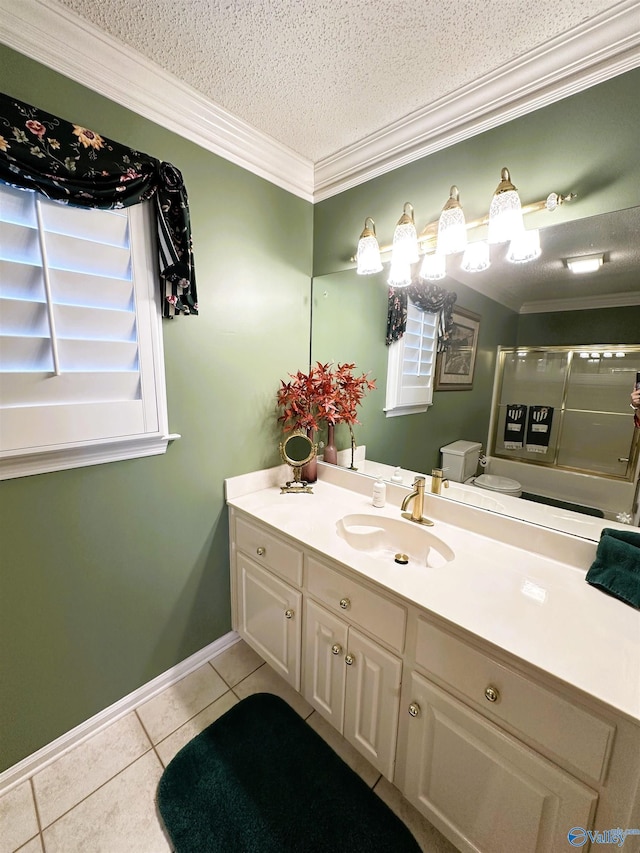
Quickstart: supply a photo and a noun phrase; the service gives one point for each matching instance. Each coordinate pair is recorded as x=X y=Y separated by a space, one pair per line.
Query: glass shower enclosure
x=567 y=408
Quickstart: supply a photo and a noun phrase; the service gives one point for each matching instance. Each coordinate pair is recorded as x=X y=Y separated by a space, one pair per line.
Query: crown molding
x=595 y=51
x=582 y=303
x=44 y=30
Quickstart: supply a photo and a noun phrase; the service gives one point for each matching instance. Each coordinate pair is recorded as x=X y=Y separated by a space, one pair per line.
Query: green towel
x=616 y=568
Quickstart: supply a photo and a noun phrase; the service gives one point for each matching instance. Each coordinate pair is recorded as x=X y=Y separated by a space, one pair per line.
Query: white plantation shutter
x=80 y=338
x=411 y=364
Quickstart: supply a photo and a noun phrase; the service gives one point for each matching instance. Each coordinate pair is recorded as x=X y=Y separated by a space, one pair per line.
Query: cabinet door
x=270 y=618
x=372 y=701
x=484 y=788
x=324 y=666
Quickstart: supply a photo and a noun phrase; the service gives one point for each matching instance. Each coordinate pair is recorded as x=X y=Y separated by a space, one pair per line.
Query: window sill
x=76 y=456
x=405 y=410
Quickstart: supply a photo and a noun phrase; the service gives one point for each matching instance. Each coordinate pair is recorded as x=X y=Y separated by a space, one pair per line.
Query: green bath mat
x=260 y=780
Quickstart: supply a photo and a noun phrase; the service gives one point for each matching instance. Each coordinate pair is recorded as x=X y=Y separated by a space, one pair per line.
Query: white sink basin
x=385 y=538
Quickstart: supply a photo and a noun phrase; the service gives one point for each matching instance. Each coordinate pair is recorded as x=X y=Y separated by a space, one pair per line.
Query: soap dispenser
x=379 y=492
x=396 y=477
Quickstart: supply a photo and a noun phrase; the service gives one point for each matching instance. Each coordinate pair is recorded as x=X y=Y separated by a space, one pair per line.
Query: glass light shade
x=524 y=247
x=399 y=274
x=452 y=229
x=476 y=257
x=405 y=239
x=368 y=256
x=433 y=267
x=405 y=243
x=505 y=217
x=505 y=213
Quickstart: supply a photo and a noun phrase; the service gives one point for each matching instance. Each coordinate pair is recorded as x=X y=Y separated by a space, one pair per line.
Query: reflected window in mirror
x=411 y=364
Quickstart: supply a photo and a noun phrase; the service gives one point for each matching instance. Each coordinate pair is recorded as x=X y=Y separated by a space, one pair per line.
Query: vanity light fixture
x=476 y=257
x=585 y=263
x=399 y=273
x=505 y=213
x=368 y=255
x=405 y=249
x=448 y=235
x=405 y=238
x=452 y=228
x=433 y=267
x=524 y=247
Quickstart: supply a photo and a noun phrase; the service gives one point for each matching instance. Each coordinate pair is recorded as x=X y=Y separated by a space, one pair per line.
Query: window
x=81 y=362
x=411 y=363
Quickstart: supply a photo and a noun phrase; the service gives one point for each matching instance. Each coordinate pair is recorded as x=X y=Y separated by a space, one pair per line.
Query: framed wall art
x=455 y=366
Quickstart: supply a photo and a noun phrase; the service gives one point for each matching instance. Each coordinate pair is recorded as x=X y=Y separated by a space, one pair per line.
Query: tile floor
x=100 y=796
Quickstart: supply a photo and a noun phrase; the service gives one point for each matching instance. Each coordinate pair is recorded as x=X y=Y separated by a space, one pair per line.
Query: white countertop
x=516 y=585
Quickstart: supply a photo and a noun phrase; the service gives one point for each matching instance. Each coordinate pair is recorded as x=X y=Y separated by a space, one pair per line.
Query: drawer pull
x=349 y=660
x=336 y=649
x=288 y=614
x=414 y=709
x=491 y=694
x=261 y=551
x=345 y=603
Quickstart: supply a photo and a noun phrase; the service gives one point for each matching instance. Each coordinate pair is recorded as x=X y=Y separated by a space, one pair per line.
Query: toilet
x=460 y=463
x=494 y=483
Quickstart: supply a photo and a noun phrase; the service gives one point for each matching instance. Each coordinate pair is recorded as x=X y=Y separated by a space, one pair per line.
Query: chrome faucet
x=418 y=503
x=438 y=481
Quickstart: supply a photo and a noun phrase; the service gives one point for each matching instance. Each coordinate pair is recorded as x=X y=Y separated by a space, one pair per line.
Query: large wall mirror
x=540 y=304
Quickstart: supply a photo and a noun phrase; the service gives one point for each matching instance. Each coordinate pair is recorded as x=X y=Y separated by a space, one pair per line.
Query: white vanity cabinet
x=349 y=676
x=495 y=759
x=481 y=786
x=351 y=644
x=267 y=607
x=498 y=754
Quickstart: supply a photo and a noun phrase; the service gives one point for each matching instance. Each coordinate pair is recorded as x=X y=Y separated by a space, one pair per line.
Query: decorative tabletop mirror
x=297 y=450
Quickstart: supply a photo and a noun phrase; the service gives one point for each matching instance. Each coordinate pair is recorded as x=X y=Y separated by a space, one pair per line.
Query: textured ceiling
x=320 y=76
x=547 y=280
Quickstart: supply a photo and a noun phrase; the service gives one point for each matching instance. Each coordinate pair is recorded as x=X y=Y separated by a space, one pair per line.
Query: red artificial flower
x=321 y=395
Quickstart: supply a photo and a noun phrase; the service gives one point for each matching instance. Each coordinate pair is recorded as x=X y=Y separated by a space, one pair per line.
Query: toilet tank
x=460 y=460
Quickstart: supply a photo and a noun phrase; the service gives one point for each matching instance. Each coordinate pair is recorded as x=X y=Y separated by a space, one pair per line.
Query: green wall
x=114 y=573
x=595 y=326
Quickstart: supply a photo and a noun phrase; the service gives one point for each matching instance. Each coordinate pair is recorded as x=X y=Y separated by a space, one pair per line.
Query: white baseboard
x=35 y=762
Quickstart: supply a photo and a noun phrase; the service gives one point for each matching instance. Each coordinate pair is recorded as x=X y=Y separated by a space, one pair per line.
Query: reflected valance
x=426 y=297
x=70 y=163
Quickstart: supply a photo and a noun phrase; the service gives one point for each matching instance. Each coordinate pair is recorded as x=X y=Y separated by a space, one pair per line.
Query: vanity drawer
x=577 y=737
x=269 y=551
x=358 y=604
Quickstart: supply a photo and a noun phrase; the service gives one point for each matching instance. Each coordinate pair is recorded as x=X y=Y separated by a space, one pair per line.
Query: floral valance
x=70 y=163
x=426 y=297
